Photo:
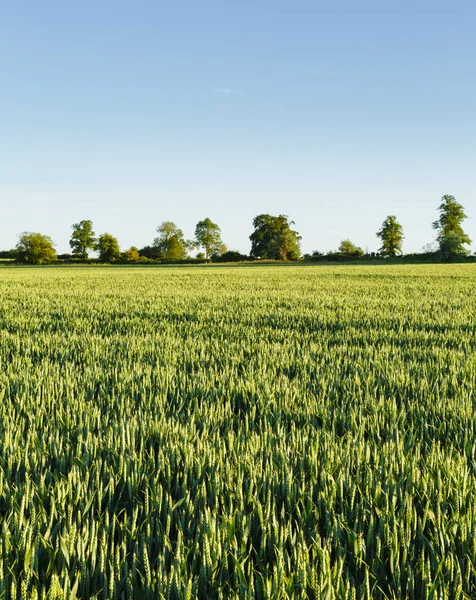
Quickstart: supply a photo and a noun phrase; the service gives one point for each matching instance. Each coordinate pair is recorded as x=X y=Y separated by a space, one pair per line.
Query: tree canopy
x=208 y=237
x=273 y=238
x=83 y=239
x=450 y=234
x=350 y=249
x=108 y=247
x=170 y=244
x=35 y=249
x=391 y=235
x=131 y=255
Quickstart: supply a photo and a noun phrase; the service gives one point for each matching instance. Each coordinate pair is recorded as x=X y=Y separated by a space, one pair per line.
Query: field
x=248 y=432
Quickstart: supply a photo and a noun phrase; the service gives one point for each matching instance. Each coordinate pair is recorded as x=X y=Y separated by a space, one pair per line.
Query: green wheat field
x=238 y=432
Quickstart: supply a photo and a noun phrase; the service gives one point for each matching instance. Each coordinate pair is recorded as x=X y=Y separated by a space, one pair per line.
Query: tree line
x=273 y=238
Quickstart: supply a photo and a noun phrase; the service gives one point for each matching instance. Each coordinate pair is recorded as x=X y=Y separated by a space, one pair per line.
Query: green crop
x=248 y=432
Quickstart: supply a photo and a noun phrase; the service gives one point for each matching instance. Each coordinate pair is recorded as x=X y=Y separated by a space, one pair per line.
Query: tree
x=82 y=239
x=350 y=249
x=131 y=255
x=108 y=247
x=391 y=235
x=451 y=237
x=220 y=250
x=35 y=249
x=274 y=239
x=170 y=243
x=207 y=236
x=230 y=256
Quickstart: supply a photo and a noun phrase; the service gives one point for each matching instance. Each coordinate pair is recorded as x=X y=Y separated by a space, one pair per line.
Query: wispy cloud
x=224 y=90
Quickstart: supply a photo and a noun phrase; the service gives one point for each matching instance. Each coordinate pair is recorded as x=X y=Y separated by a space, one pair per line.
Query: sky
x=336 y=113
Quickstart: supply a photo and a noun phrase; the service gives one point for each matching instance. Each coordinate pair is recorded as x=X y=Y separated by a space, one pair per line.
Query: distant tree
x=108 y=247
x=131 y=255
x=35 y=249
x=391 y=235
x=314 y=256
x=149 y=252
x=207 y=236
x=230 y=256
x=82 y=239
x=9 y=254
x=170 y=243
x=350 y=249
x=273 y=238
x=451 y=237
x=219 y=251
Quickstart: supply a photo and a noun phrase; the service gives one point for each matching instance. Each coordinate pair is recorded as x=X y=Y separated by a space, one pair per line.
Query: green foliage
x=450 y=234
x=391 y=236
x=274 y=239
x=208 y=236
x=131 y=255
x=9 y=254
x=35 y=249
x=350 y=249
x=230 y=256
x=252 y=432
x=83 y=239
x=108 y=248
x=170 y=244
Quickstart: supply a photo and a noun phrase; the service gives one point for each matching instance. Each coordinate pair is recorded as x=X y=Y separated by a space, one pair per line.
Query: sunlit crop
x=247 y=432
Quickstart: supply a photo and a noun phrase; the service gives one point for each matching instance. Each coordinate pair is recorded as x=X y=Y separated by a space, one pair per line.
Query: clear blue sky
x=335 y=113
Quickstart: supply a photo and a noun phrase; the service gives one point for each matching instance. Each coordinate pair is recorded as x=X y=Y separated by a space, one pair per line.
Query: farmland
x=248 y=432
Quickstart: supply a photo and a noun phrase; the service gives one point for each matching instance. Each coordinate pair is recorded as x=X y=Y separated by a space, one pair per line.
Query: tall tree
x=207 y=236
x=350 y=249
x=273 y=238
x=108 y=247
x=170 y=243
x=450 y=234
x=82 y=239
x=391 y=235
x=35 y=249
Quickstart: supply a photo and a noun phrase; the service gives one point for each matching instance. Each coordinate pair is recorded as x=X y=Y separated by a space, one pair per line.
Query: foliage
x=208 y=236
x=230 y=256
x=255 y=432
x=350 y=249
x=170 y=244
x=35 y=249
x=108 y=248
x=9 y=254
x=83 y=239
x=149 y=252
x=391 y=236
x=219 y=251
x=450 y=234
x=274 y=239
x=131 y=255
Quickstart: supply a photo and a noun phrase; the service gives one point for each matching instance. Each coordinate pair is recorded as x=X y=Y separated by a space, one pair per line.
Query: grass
x=298 y=432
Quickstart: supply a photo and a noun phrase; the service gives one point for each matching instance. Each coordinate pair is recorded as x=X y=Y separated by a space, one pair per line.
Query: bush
x=231 y=256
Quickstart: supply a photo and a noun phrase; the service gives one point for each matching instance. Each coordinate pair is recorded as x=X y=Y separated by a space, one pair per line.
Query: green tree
x=170 y=244
x=391 y=235
x=35 y=249
x=82 y=239
x=350 y=249
x=207 y=236
x=220 y=250
x=131 y=255
x=108 y=247
x=273 y=238
x=450 y=234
